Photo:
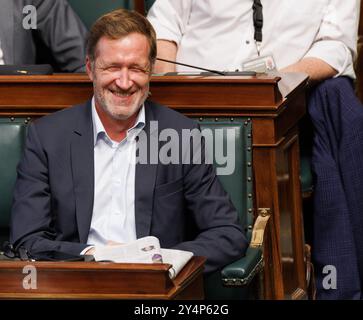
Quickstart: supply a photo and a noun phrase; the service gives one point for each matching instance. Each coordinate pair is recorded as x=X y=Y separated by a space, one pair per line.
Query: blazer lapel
x=145 y=176
x=82 y=161
x=7 y=34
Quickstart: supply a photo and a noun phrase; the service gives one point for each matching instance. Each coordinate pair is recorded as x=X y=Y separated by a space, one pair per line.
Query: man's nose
x=124 y=81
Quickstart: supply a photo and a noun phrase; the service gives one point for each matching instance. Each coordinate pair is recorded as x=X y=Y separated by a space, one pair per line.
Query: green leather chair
x=235 y=280
x=12 y=138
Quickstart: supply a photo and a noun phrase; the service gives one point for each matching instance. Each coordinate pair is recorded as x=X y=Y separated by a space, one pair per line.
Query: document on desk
x=144 y=250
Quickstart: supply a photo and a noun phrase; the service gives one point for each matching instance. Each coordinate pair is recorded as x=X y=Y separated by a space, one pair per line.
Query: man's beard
x=112 y=112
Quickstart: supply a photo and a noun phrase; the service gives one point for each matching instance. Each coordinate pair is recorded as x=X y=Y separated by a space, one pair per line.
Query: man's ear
x=89 y=68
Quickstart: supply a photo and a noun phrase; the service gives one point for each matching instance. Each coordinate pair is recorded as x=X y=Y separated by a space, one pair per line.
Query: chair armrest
x=242 y=271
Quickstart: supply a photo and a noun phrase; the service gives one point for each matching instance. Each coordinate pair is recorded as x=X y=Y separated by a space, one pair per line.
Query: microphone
x=221 y=73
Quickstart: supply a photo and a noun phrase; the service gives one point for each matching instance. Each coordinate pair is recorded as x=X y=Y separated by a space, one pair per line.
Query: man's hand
x=91 y=251
x=113 y=243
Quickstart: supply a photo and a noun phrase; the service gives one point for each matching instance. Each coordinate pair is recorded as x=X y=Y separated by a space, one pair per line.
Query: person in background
x=318 y=38
x=58 y=37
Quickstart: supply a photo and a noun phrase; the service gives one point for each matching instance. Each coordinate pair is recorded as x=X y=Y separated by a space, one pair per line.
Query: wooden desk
x=96 y=280
x=274 y=104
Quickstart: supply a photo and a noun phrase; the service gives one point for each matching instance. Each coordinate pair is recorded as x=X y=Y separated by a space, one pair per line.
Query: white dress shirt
x=1 y=56
x=220 y=34
x=113 y=215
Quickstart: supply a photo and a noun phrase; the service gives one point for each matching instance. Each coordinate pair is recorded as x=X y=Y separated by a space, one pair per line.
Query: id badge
x=260 y=65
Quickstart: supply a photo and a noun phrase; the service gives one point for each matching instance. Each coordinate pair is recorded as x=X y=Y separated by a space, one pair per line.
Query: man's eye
x=112 y=69
x=136 y=70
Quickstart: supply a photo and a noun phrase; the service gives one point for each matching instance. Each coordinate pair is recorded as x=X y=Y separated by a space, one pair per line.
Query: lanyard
x=257 y=23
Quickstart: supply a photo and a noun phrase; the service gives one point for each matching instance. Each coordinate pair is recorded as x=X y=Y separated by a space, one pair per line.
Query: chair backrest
x=12 y=138
x=239 y=183
x=239 y=186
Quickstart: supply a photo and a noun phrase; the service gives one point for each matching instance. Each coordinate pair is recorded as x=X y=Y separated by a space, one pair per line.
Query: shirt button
x=247 y=42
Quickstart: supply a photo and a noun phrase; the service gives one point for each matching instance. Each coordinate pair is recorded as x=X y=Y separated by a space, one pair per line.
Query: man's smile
x=120 y=93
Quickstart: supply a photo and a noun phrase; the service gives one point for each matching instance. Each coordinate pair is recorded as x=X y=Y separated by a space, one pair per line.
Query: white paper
x=144 y=250
x=177 y=258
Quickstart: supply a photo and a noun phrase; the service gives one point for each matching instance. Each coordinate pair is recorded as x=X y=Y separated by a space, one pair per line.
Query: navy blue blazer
x=184 y=205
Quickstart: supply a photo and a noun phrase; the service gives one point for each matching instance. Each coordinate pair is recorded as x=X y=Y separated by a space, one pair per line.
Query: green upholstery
x=90 y=10
x=12 y=138
x=231 y=282
x=238 y=185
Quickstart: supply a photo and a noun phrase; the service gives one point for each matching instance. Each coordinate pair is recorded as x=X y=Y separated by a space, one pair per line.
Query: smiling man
x=79 y=186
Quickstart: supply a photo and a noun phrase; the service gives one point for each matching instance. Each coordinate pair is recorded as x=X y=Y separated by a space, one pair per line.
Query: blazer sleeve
x=63 y=33
x=31 y=218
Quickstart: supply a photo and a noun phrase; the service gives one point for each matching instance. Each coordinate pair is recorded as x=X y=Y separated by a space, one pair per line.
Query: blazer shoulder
x=63 y=119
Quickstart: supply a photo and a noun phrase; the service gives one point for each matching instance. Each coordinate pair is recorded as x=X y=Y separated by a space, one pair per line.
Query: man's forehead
x=133 y=44
x=130 y=40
